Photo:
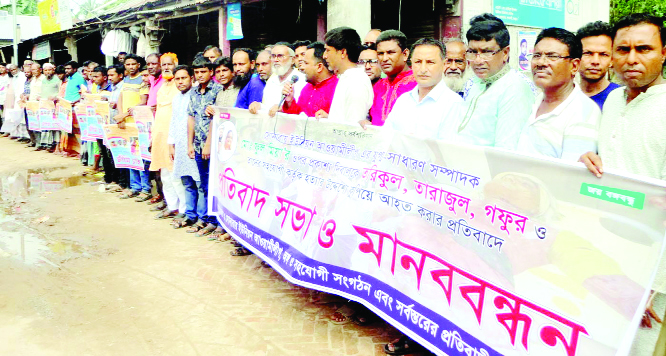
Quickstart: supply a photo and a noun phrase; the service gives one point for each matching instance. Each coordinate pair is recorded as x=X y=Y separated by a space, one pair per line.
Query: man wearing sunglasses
x=564 y=121
x=499 y=100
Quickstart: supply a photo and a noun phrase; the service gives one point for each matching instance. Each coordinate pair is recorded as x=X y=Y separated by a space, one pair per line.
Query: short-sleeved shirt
x=567 y=132
x=131 y=92
x=600 y=98
x=50 y=87
x=74 y=84
x=197 y=109
x=253 y=91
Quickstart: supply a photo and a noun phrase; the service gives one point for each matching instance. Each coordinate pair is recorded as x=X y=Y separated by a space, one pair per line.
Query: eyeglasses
x=279 y=57
x=363 y=62
x=456 y=61
x=550 y=57
x=485 y=55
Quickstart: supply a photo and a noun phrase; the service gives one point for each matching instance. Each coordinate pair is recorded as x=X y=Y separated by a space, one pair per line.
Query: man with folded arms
x=564 y=121
x=431 y=101
x=318 y=92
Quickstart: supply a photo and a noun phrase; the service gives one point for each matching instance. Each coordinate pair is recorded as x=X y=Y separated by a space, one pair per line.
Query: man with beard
x=455 y=66
x=318 y=92
x=251 y=86
x=369 y=62
x=34 y=94
x=263 y=65
x=596 y=60
x=49 y=91
x=282 y=59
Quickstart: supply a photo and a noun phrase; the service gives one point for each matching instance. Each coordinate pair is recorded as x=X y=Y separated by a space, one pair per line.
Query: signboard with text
x=468 y=250
x=530 y=13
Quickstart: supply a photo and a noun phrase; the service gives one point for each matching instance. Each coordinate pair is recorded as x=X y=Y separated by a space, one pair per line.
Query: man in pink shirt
x=155 y=71
x=317 y=94
x=393 y=54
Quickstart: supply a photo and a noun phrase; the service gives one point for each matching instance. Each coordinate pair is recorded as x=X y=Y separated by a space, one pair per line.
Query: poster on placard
x=144 y=117
x=32 y=113
x=94 y=122
x=47 y=120
x=81 y=111
x=526 y=40
x=64 y=117
x=124 y=146
x=468 y=250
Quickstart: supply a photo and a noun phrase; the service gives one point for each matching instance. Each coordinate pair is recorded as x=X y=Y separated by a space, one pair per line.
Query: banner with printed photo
x=526 y=40
x=47 y=119
x=64 y=117
x=124 y=146
x=32 y=113
x=94 y=121
x=144 y=117
x=468 y=250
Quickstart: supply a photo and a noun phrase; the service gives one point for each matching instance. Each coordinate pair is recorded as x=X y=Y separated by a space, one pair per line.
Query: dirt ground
x=85 y=273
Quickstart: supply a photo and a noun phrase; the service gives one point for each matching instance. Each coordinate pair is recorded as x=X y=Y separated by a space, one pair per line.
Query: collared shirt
x=353 y=97
x=96 y=89
x=423 y=118
x=131 y=92
x=314 y=98
x=74 y=85
x=253 y=91
x=567 y=132
x=600 y=98
x=495 y=114
x=155 y=85
x=50 y=87
x=386 y=92
x=273 y=90
x=197 y=109
x=183 y=165
x=35 y=87
x=227 y=97
x=631 y=136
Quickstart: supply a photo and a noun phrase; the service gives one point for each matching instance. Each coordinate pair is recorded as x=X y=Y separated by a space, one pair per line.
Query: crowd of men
x=460 y=91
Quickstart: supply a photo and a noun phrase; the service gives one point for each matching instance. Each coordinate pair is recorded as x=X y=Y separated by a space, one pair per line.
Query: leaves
x=23 y=7
x=621 y=8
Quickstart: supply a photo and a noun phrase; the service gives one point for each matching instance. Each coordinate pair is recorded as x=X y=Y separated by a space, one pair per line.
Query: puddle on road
x=17 y=239
x=35 y=181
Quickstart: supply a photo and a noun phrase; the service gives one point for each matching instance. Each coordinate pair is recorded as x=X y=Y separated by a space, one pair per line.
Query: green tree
x=620 y=8
x=23 y=7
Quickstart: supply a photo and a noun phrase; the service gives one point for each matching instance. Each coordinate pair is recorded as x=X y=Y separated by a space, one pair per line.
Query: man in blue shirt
x=75 y=82
x=199 y=134
x=252 y=87
x=597 y=50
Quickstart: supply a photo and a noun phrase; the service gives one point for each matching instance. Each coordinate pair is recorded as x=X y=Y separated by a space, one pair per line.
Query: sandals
x=403 y=346
x=207 y=230
x=143 y=197
x=217 y=233
x=159 y=207
x=156 y=199
x=241 y=251
x=345 y=314
x=181 y=223
x=130 y=195
x=166 y=214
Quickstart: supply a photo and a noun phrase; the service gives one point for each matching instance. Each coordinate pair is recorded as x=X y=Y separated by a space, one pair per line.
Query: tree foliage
x=621 y=8
x=23 y=7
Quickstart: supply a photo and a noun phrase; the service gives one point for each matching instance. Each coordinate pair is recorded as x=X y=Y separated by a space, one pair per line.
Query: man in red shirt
x=317 y=95
x=393 y=54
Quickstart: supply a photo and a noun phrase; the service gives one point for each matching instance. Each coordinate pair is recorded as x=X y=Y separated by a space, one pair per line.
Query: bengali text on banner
x=468 y=250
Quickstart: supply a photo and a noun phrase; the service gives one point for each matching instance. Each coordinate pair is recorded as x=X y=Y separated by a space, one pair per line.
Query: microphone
x=293 y=80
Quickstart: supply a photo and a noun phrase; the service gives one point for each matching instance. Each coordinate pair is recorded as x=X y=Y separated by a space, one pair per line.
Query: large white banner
x=468 y=250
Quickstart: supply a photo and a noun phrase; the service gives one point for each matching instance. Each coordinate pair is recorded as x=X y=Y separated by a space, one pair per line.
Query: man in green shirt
x=498 y=100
